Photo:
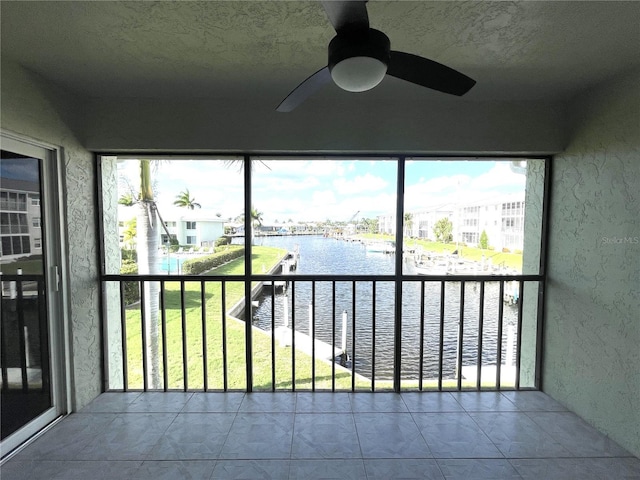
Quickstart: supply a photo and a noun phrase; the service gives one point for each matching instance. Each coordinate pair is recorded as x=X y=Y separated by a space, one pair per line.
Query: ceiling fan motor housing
x=358 y=60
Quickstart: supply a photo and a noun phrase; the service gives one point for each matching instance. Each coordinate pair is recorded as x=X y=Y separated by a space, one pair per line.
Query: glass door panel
x=27 y=398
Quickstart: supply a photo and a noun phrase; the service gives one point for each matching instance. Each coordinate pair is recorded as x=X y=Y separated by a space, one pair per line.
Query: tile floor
x=465 y=435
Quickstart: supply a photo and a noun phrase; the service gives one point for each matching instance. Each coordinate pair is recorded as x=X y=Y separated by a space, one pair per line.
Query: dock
x=277 y=285
x=303 y=342
x=488 y=372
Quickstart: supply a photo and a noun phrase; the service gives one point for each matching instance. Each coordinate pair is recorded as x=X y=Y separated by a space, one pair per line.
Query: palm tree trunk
x=148 y=265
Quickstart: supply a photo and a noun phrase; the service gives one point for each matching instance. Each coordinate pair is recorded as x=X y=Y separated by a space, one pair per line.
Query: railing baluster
x=44 y=336
x=333 y=335
x=500 y=324
x=163 y=327
x=123 y=338
x=185 y=366
x=519 y=333
x=480 y=333
x=3 y=345
x=205 y=362
x=273 y=335
x=293 y=336
x=313 y=336
x=460 y=336
x=21 y=337
x=421 y=364
x=441 y=344
x=353 y=337
x=539 y=334
x=143 y=326
x=225 y=372
x=373 y=339
x=248 y=328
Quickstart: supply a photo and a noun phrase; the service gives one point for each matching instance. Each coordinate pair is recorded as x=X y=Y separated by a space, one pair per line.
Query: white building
x=387 y=224
x=199 y=228
x=502 y=218
x=423 y=222
x=20 y=219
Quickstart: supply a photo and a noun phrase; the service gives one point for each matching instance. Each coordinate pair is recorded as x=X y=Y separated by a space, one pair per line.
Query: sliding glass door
x=29 y=255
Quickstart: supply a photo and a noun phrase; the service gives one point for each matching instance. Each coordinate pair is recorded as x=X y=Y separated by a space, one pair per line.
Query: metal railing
x=24 y=347
x=322 y=332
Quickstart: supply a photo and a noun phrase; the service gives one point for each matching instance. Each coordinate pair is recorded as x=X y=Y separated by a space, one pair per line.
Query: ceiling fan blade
x=347 y=15
x=303 y=91
x=427 y=73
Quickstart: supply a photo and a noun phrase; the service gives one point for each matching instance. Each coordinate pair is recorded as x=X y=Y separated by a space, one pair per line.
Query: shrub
x=128 y=255
x=222 y=241
x=131 y=289
x=506 y=250
x=484 y=240
x=196 y=266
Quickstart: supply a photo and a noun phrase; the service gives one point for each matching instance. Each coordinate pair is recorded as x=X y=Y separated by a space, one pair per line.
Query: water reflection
x=329 y=256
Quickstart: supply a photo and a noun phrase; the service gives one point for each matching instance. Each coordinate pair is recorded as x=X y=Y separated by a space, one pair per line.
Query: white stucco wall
x=37 y=110
x=209 y=231
x=592 y=333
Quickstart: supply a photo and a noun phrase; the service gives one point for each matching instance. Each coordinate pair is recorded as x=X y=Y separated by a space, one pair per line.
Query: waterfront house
x=555 y=80
x=193 y=227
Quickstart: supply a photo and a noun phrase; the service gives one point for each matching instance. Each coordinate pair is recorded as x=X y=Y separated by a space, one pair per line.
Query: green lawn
x=31 y=265
x=235 y=339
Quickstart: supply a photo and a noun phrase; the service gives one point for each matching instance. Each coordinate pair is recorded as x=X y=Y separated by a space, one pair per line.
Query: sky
x=19 y=168
x=317 y=190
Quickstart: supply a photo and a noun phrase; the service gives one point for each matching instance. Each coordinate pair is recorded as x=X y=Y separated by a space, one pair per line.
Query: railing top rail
x=21 y=278
x=322 y=278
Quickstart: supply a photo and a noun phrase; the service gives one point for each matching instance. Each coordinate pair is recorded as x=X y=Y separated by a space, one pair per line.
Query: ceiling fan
x=360 y=56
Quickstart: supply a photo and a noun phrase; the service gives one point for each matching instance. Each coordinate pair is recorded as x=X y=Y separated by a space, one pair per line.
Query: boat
x=511 y=293
x=432 y=267
x=381 y=247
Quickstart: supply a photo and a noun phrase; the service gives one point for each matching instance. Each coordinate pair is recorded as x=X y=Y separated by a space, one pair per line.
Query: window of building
x=191 y=240
x=191 y=225
x=22 y=202
x=5 y=225
x=36 y=222
x=6 y=245
x=165 y=238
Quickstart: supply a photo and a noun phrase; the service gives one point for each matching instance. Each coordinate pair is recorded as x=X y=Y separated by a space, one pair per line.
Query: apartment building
x=20 y=219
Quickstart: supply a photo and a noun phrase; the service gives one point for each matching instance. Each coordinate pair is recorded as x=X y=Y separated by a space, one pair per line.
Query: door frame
x=56 y=275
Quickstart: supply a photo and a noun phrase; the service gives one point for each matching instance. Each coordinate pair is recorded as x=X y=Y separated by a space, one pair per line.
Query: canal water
x=319 y=255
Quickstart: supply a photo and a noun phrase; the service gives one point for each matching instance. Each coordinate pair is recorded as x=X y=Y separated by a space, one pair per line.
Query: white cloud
x=323 y=198
x=500 y=175
x=361 y=183
x=319 y=189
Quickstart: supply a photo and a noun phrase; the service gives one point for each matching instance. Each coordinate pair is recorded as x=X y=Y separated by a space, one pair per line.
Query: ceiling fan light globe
x=358 y=74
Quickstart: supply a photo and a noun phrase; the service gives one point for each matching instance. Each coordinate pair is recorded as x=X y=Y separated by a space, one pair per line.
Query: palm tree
x=256 y=216
x=256 y=220
x=184 y=200
x=408 y=224
x=148 y=221
x=148 y=264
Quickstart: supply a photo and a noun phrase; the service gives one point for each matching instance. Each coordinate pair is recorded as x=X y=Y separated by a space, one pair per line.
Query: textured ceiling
x=515 y=50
